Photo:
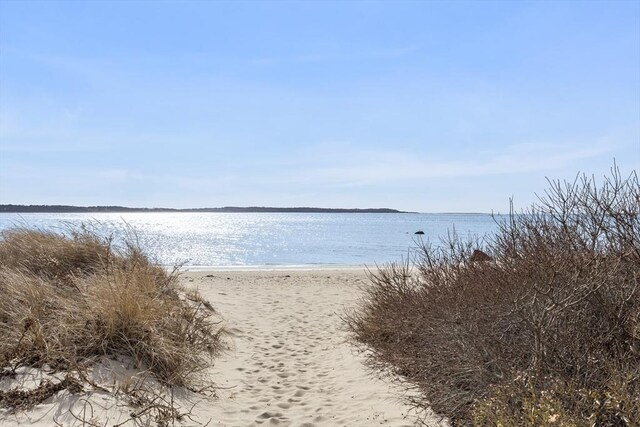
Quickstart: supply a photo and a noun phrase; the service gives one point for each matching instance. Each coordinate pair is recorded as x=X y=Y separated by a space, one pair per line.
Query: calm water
x=271 y=239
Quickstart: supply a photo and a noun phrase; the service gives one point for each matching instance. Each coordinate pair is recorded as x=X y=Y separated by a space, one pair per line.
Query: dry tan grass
x=68 y=300
x=545 y=333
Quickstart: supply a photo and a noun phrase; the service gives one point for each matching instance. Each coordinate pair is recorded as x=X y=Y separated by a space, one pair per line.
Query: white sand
x=290 y=364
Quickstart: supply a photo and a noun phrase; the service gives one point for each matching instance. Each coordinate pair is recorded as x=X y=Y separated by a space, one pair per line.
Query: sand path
x=291 y=363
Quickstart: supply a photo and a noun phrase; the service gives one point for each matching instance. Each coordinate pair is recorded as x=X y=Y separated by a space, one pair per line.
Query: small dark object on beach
x=209 y=275
x=419 y=232
x=479 y=256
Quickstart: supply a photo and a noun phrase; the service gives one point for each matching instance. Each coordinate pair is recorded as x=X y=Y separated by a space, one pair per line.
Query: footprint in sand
x=269 y=414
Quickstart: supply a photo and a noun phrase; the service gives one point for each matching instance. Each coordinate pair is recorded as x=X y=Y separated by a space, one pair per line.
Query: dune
x=289 y=362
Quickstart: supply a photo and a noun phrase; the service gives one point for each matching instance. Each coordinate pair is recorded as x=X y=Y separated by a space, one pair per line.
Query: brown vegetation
x=546 y=333
x=69 y=299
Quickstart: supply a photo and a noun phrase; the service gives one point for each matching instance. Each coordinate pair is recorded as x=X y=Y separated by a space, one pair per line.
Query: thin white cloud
x=371 y=168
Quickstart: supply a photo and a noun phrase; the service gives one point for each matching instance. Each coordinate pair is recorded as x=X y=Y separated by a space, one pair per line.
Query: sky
x=423 y=106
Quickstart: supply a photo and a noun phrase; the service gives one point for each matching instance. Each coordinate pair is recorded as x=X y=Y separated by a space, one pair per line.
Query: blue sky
x=425 y=106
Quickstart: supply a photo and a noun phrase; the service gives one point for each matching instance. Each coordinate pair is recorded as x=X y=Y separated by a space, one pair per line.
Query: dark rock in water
x=479 y=256
x=419 y=232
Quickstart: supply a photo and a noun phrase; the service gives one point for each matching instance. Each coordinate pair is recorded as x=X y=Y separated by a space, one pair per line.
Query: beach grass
x=545 y=332
x=69 y=299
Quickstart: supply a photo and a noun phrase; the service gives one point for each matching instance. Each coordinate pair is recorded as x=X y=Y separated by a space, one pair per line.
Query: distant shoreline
x=227 y=209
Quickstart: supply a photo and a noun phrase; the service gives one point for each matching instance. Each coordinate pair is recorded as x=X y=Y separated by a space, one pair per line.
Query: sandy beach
x=289 y=361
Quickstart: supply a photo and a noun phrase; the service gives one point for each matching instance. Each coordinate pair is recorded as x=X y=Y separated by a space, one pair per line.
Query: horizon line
x=60 y=208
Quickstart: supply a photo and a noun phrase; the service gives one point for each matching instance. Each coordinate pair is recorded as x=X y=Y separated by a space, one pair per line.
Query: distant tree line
x=89 y=209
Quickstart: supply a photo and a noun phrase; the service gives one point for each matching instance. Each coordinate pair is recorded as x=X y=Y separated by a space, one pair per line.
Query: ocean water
x=269 y=240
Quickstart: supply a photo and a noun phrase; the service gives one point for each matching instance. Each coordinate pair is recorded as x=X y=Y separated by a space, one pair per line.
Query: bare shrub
x=546 y=331
x=67 y=300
